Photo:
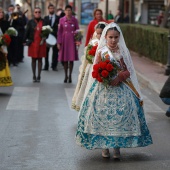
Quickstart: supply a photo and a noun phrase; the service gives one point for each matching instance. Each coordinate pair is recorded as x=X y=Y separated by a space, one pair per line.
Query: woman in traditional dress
x=66 y=42
x=5 y=76
x=98 y=17
x=37 y=47
x=90 y=53
x=113 y=117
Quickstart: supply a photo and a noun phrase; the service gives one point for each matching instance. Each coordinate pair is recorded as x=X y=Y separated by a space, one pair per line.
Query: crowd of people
x=107 y=95
x=30 y=34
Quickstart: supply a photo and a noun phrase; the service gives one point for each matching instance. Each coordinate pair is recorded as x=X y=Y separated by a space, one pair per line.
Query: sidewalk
x=149 y=73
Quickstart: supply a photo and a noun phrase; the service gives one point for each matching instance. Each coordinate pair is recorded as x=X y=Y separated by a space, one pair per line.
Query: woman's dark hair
x=1 y=10
x=102 y=26
x=113 y=28
x=68 y=6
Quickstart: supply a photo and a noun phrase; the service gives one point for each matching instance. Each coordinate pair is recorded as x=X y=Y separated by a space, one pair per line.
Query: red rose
x=93 y=51
x=103 y=65
x=109 y=67
x=7 y=39
x=94 y=74
x=107 y=61
x=96 y=67
x=99 y=79
x=105 y=73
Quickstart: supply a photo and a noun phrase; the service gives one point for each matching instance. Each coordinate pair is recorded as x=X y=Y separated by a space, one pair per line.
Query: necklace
x=112 y=49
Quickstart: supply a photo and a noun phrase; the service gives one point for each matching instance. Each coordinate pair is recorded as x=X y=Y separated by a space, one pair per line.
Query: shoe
x=167 y=114
x=34 y=79
x=65 y=80
x=54 y=69
x=105 y=153
x=38 y=79
x=70 y=79
x=45 y=69
x=116 y=153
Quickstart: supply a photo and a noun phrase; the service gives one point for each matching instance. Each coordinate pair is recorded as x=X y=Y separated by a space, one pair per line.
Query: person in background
x=165 y=95
x=110 y=16
x=126 y=19
x=98 y=17
x=5 y=76
x=66 y=42
x=118 y=17
x=21 y=30
x=4 y=24
x=84 y=82
x=52 y=19
x=13 y=47
x=160 y=17
x=36 y=49
x=60 y=13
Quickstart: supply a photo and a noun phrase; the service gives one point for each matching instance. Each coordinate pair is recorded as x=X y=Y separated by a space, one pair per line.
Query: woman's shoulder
x=74 y=19
x=62 y=19
x=93 y=22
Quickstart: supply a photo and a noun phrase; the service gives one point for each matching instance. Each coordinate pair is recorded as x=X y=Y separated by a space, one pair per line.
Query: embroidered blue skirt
x=112 y=118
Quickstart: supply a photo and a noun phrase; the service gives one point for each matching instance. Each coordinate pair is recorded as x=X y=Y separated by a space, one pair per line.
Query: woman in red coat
x=98 y=17
x=36 y=50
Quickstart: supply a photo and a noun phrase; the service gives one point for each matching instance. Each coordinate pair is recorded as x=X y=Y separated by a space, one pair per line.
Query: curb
x=148 y=83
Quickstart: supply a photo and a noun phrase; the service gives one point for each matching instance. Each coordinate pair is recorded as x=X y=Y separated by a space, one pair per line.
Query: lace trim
x=5 y=80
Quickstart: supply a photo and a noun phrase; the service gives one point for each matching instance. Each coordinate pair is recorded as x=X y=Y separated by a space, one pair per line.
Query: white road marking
x=69 y=94
x=24 y=98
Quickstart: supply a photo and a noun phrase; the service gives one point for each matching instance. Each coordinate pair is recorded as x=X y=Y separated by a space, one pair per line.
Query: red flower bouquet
x=91 y=51
x=5 y=40
x=104 y=72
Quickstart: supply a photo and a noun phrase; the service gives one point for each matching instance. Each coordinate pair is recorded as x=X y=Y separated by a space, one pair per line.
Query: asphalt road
x=37 y=127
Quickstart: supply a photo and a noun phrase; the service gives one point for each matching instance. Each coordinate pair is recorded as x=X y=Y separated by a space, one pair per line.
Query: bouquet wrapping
x=12 y=31
x=46 y=30
x=105 y=71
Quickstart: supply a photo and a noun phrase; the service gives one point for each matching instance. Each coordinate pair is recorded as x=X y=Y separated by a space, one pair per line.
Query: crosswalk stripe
x=24 y=98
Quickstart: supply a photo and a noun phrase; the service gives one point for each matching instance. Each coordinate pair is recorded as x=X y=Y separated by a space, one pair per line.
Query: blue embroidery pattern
x=112 y=118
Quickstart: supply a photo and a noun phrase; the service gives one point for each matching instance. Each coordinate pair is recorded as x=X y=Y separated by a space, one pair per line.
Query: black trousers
x=20 y=49
x=13 y=51
x=54 y=58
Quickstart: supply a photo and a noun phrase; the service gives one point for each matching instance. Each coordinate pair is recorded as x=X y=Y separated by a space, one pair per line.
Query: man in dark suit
x=52 y=19
x=21 y=30
x=118 y=17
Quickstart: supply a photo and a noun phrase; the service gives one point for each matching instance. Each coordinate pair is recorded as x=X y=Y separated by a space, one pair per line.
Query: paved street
x=37 y=127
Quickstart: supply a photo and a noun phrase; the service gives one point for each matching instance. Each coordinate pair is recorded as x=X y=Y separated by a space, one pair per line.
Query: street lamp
x=167 y=70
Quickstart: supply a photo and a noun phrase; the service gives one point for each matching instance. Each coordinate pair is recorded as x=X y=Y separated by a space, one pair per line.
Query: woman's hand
x=78 y=43
x=115 y=82
x=58 y=46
